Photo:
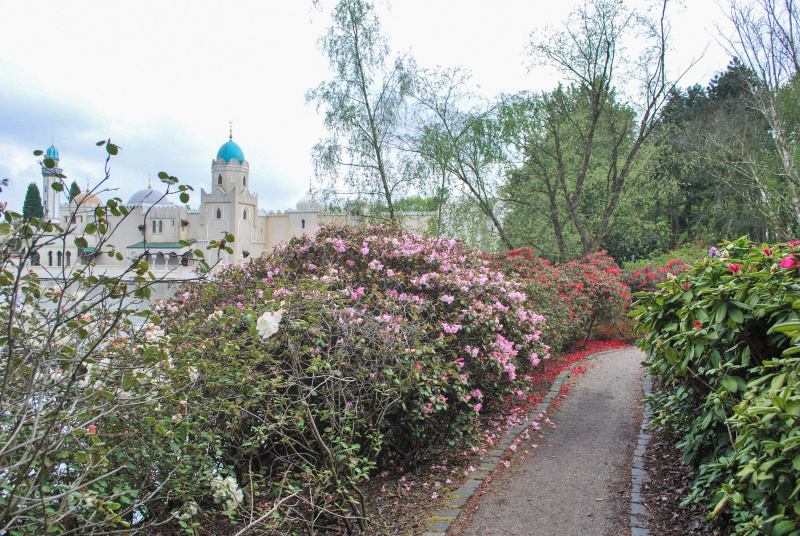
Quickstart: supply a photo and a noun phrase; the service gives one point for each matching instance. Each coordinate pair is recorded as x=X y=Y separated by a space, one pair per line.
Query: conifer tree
x=74 y=190
x=32 y=208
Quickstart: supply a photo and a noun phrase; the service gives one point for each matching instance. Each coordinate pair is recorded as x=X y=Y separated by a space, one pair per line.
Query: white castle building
x=155 y=226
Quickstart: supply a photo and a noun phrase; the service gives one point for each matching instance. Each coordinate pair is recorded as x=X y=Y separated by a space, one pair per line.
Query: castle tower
x=230 y=170
x=50 y=197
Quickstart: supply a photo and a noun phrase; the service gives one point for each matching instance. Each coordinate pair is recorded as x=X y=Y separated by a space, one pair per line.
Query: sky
x=164 y=80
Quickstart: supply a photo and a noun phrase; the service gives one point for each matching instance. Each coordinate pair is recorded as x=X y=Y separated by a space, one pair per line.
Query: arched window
x=219 y=213
x=160 y=226
x=302 y=224
x=59 y=257
x=219 y=179
x=49 y=258
x=69 y=258
x=154 y=226
x=244 y=180
x=244 y=214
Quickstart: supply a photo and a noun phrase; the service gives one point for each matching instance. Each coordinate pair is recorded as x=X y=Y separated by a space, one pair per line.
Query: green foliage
x=384 y=344
x=32 y=206
x=74 y=190
x=716 y=338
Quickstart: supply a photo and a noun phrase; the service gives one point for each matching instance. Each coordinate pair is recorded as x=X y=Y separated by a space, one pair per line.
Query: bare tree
x=765 y=39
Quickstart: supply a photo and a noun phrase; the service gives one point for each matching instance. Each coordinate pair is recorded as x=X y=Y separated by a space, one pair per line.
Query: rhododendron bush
x=574 y=296
x=723 y=340
x=347 y=351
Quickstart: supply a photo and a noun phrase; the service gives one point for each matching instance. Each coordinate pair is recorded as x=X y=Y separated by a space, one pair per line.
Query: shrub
x=651 y=274
x=385 y=344
x=573 y=296
x=714 y=338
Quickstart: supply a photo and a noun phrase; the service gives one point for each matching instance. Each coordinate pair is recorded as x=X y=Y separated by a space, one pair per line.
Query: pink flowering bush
x=344 y=352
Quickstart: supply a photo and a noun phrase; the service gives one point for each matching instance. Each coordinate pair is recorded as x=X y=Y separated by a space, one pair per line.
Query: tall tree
x=74 y=190
x=766 y=39
x=363 y=103
x=459 y=139
x=32 y=207
x=587 y=52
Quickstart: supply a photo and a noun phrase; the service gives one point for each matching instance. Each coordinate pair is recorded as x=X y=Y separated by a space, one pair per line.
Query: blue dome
x=230 y=150
x=52 y=152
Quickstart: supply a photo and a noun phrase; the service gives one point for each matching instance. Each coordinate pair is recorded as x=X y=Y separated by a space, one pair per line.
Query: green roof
x=160 y=245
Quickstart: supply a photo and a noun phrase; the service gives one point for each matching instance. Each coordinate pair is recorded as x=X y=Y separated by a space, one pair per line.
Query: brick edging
x=444 y=518
x=640 y=515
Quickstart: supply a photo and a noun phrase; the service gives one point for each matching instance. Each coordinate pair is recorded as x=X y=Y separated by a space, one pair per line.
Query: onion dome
x=306 y=203
x=230 y=150
x=148 y=196
x=85 y=199
x=52 y=152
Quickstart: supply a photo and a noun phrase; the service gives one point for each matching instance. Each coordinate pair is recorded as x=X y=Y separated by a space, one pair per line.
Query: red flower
x=735 y=268
x=767 y=252
x=698 y=324
x=91 y=430
x=793 y=243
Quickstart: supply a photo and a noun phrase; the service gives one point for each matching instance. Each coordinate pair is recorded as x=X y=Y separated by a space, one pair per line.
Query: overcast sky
x=163 y=79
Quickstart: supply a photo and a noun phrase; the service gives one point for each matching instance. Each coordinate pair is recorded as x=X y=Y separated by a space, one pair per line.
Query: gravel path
x=576 y=481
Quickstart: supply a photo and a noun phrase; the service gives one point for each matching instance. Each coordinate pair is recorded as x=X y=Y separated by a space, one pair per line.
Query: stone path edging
x=639 y=512
x=444 y=518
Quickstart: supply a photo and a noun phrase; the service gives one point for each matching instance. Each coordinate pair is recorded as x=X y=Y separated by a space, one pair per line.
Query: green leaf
x=184 y=197
x=730 y=383
x=735 y=314
x=160 y=430
x=722 y=310
x=112 y=149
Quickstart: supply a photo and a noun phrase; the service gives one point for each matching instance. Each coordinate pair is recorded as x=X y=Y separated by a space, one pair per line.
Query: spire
x=309 y=186
x=87 y=185
x=149 y=182
x=230 y=123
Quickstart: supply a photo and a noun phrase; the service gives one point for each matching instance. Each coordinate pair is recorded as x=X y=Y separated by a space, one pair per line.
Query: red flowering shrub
x=648 y=276
x=572 y=296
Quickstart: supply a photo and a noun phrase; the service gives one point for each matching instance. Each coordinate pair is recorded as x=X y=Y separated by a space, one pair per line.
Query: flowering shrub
x=716 y=338
x=573 y=296
x=342 y=352
x=651 y=274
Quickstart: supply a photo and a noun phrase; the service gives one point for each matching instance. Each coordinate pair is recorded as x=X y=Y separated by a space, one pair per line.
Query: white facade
x=154 y=225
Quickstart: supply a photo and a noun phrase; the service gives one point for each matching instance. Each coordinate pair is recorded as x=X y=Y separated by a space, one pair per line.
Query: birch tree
x=363 y=104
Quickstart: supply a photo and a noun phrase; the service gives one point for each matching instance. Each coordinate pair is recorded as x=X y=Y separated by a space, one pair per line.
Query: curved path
x=576 y=481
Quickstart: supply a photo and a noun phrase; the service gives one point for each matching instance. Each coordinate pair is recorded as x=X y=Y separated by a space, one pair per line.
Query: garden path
x=576 y=481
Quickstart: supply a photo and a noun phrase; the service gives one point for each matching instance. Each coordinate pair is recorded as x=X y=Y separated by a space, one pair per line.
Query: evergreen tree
x=74 y=190
x=32 y=208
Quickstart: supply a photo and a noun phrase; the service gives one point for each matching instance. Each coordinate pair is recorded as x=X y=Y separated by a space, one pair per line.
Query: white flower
x=267 y=324
x=227 y=490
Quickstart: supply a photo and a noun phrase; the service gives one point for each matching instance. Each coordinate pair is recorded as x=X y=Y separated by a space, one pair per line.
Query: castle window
x=302 y=224
x=244 y=214
x=59 y=258
x=244 y=180
x=160 y=226
x=154 y=226
x=69 y=258
x=219 y=213
x=219 y=179
x=49 y=258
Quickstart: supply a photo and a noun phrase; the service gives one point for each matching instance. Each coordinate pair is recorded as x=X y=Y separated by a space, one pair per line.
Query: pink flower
x=698 y=325
x=349 y=262
x=365 y=250
x=767 y=252
x=239 y=305
x=91 y=429
x=477 y=407
x=447 y=299
x=789 y=262
x=735 y=268
x=434 y=495
x=390 y=272
x=793 y=243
